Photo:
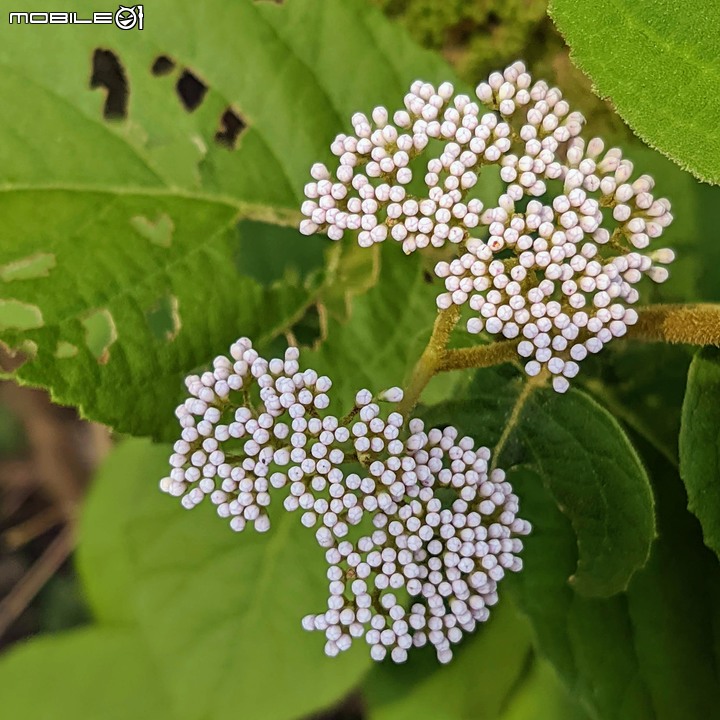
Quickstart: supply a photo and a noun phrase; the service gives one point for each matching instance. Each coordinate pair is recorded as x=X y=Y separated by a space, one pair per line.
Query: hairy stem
x=478 y=357
x=690 y=324
x=430 y=360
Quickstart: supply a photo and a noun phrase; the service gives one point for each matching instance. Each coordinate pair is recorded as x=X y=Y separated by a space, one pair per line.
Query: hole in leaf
x=191 y=90
x=231 y=125
x=16 y=315
x=162 y=65
x=27 y=268
x=159 y=232
x=65 y=350
x=13 y=358
x=108 y=73
x=164 y=318
x=308 y=330
x=100 y=334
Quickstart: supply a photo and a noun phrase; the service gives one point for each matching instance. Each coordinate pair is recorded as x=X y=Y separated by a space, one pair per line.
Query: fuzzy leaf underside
x=657 y=63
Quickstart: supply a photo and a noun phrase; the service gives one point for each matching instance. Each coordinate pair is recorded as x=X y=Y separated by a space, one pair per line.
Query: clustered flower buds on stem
x=418 y=530
x=417 y=525
x=553 y=263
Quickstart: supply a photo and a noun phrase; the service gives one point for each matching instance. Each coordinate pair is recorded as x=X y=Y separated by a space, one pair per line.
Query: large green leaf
x=657 y=62
x=648 y=654
x=584 y=459
x=700 y=443
x=120 y=265
x=210 y=605
x=88 y=673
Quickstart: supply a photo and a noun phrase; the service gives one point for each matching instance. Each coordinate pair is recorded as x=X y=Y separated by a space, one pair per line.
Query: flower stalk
x=687 y=324
x=432 y=358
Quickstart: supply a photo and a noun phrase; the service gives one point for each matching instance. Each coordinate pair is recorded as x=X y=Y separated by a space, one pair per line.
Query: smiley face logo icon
x=126 y=18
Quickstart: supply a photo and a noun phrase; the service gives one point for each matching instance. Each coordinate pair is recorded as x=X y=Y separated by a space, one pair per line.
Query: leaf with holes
x=124 y=171
x=209 y=605
x=657 y=63
x=584 y=459
x=700 y=443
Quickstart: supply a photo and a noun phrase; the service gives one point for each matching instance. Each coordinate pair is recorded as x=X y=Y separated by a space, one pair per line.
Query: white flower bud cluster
x=556 y=273
x=446 y=532
x=445 y=527
x=249 y=425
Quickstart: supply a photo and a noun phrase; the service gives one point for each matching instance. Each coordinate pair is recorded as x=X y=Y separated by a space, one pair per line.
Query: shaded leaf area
x=378 y=344
x=656 y=63
x=194 y=605
x=584 y=459
x=700 y=443
x=119 y=198
x=650 y=651
x=541 y=696
x=642 y=385
x=494 y=676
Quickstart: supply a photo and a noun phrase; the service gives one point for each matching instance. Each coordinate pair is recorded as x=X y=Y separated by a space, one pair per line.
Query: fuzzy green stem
x=478 y=357
x=689 y=324
x=430 y=360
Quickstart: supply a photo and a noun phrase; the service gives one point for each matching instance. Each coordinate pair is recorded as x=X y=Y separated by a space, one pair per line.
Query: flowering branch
x=690 y=324
x=237 y=455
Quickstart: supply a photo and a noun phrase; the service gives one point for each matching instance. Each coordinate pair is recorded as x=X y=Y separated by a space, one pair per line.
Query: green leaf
x=120 y=262
x=638 y=382
x=387 y=329
x=657 y=63
x=575 y=634
x=650 y=653
x=541 y=696
x=700 y=443
x=584 y=459
x=209 y=604
x=88 y=673
x=476 y=684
